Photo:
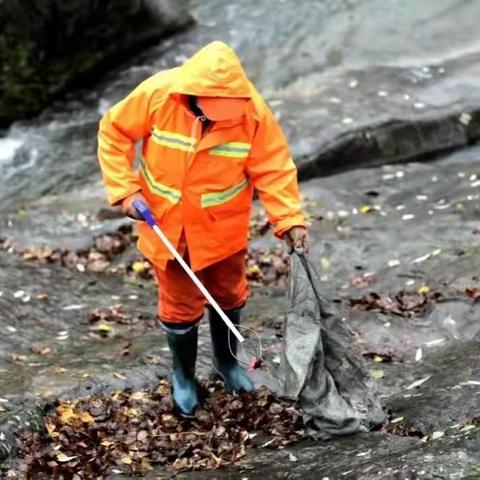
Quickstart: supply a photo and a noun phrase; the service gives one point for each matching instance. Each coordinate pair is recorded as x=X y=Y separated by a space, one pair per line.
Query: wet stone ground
x=398 y=249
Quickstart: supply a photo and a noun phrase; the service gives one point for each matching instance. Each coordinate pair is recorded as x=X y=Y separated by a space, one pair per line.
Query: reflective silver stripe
x=232 y=149
x=173 y=140
x=159 y=188
x=217 y=198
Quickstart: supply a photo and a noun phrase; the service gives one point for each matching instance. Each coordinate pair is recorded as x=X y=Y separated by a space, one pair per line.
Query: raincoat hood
x=214 y=71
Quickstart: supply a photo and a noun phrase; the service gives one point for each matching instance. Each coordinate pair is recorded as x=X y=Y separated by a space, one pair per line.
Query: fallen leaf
x=363 y=454
x=65 y=413
x=41 y=350
x=324 y=262
x=85 y=417
x=422 y=259
x=394 y=263
x=146 y=465
x=418 y=354
x=417 y=383
x=50 y=427
x=61 y=457
x=139 y=395
x=138 y=266
x=366 y=209
x=423 y=289
x=105 y=327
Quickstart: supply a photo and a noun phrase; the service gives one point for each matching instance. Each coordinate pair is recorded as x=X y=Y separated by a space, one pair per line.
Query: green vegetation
x=46 y=45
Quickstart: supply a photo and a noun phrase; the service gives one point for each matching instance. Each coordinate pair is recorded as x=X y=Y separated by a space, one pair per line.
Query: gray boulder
x=46 y=46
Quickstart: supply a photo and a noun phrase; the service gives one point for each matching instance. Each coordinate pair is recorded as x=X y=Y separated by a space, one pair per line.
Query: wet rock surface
x=426 y=363
x=365 y=456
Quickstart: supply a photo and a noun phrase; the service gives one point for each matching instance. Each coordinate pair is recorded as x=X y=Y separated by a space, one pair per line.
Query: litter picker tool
x=147 y=215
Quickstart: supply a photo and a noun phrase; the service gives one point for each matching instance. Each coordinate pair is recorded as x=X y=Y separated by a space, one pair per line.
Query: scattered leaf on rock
x=424 y=289
x=366 y=209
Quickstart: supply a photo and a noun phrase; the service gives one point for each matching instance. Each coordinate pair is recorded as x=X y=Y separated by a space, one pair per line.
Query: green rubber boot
x=224 y=361
x=184 y=355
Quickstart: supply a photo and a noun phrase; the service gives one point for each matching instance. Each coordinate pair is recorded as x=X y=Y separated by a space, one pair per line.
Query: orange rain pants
x=181 y=302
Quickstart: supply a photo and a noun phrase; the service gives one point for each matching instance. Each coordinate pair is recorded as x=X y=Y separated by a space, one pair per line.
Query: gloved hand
x=127 y=206
x=297 y=239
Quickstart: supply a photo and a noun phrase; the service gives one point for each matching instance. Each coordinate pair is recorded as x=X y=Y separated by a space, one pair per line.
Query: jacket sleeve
x=124 y=124
x=273 y=174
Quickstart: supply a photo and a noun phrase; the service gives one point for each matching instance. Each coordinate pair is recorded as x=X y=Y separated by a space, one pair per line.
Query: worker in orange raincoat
x=208 y=140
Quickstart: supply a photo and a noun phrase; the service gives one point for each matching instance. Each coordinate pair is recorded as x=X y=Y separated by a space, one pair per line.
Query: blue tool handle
x=144 y=210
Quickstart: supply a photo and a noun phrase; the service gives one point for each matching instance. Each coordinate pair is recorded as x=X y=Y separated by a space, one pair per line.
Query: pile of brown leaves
x=96 y=259
x=129 y=431
x=259 y=224
x=264 y=267
x=403 y=303
x=268 y=267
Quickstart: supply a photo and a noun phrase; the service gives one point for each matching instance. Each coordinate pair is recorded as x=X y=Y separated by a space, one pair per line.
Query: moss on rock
x=46 y=45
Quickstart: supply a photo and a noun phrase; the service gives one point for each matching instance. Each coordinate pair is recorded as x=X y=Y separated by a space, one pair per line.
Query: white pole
x=197 y=282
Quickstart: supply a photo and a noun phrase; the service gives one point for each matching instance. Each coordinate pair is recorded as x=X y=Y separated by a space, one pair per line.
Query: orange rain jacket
x=202 y=185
